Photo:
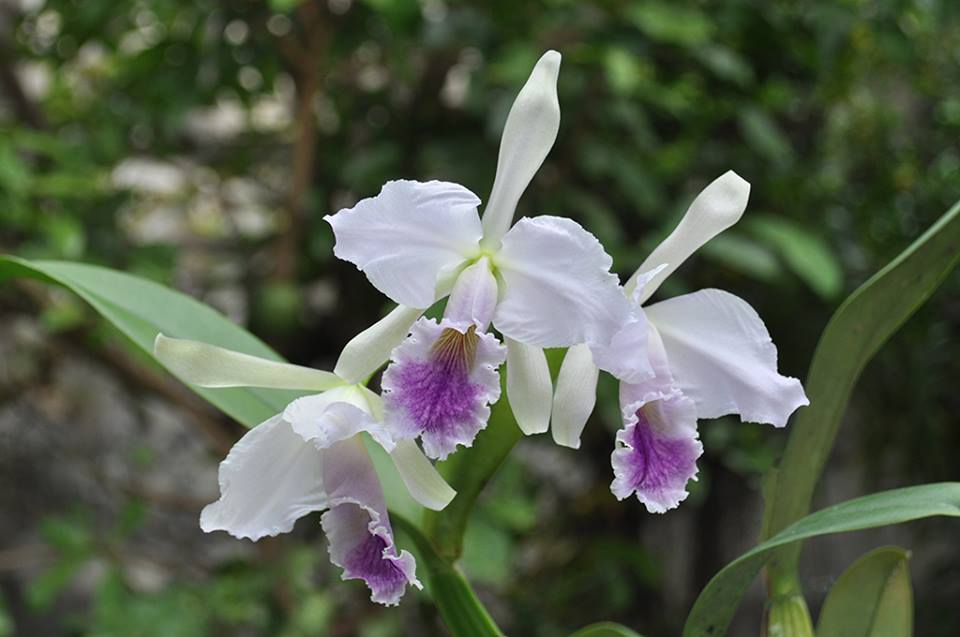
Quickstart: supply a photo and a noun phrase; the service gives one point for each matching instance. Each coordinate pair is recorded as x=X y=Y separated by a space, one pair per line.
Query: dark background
x=200 y=144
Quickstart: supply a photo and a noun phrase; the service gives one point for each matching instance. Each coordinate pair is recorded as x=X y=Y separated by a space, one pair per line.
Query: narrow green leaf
x=606 y=629
x=140 y=309
x=716 y=604
x=872 y=598
x=864 y=322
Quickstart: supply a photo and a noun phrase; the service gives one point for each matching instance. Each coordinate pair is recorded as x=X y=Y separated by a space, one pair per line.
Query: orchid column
x=542 y=282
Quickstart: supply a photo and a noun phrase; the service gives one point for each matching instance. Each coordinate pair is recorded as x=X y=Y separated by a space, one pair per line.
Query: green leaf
x=606 y=629
x=864 y=322
x=140 y=309
x=670 y=23
x=716 y=604
x=872 y=598
x=803 y=252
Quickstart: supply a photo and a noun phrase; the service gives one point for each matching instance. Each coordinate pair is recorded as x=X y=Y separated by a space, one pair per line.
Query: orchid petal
x=529 y=388
x=657 y=450
x=370 y=349
x=211 y=366
x=723 y=358
x=575 y=396
x=410 y=237
x=557 y=287
x=474 y=296
x=716 y=208
x=270 y=478
x=528 y=135
x=626 y=355
x=360 y=539
x=335 y=415
x=421 y=478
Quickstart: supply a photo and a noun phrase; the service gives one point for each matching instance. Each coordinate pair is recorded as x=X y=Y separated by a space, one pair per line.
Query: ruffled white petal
x=327 y=418
x=557 y=287
x=357 y=527
x=528 y=136
x=211 y=366
x=474 y=296
x=370 y=349
x=410 y=237
x=716 y=208
x=421 y=478
x=270 y=478
x=529 y=387
x=575 y=396
x=723 y=358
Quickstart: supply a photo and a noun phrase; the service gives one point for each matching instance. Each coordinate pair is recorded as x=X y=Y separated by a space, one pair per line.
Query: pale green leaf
x=857 y=330
x=714 y=608
x=872 y=598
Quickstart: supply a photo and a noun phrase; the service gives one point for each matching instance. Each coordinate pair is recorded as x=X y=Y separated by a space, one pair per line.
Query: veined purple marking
x=367 y=562
x=437 y=393
x=657 y=466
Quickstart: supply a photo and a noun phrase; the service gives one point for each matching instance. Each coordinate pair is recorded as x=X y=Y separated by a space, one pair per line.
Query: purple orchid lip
x=657 y=453
x=441 y=384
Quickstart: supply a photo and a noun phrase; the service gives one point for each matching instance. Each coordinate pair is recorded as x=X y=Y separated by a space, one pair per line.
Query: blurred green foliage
x=165 y=137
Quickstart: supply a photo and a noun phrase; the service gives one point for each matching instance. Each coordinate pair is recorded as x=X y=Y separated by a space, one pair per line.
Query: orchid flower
x=710 y=355
x=544 y=282
x=311 y=457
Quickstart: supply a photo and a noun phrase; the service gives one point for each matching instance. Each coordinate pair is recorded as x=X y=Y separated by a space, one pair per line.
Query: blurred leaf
x=625 y=70
x=743 y=255
x=671 y=23
x=6 y=622
x=487 y=553
x=872 y=598
x=606 y=629
x=861 y=325
x=764 y=135
x=803 y=252
x=714 y=608
x=43 y=590
x=726 y=64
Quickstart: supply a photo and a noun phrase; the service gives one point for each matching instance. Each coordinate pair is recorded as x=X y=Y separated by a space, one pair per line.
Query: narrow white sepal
x=421 y=478
x=528 y=135
x=370 y=349
x=575 y=396
x=529 y=388
x=716 y=208
x=474 y=296
x=211 y=366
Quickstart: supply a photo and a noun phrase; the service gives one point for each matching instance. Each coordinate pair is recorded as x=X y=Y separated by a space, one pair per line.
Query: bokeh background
x=200 y=144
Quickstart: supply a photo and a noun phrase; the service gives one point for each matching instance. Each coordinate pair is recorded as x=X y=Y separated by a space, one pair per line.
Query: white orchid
x=544 y=282
x=709 y=353
x=311 y=457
